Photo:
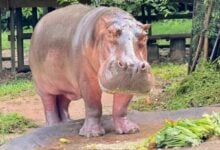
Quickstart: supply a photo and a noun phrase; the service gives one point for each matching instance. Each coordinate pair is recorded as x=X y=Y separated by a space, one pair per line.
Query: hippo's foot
x=124 y=126
x=91 y=128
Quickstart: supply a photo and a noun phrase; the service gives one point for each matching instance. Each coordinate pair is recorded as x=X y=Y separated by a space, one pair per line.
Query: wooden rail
x=27 y=3
x=169 y=36
x=159 y=17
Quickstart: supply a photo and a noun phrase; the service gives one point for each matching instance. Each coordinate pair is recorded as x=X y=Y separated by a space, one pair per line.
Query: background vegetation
x=201 y=88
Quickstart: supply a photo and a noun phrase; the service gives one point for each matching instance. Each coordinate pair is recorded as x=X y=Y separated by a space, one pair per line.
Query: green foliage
x=16 y=87
x=198 y=89
x=4 y=16
x=158 y=6
x=14 y=123
x=27 y=15
x=198 y=20
x=67 y=1
x=215 y=20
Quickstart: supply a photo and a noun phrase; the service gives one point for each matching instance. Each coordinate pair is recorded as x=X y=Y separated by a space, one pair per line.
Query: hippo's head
x=123 y=55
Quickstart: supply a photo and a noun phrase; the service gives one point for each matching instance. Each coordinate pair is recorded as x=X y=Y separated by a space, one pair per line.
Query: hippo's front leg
x=91 y=94
x=121 y=122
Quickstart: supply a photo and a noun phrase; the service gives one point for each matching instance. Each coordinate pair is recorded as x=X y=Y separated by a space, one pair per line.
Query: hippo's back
x=55 y=31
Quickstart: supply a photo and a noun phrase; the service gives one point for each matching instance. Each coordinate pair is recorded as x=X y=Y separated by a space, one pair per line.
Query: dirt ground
x=32 y=108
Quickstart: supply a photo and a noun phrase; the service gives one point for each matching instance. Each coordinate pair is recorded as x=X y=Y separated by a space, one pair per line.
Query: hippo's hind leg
x=63 y=105
x=121 y=122
x=91 y=94
x=55 y=108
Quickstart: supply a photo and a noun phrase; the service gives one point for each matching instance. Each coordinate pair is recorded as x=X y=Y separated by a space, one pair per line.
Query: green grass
x=16 y=87
x=174 y=26
x=169 y=71
x=13 y=123
x=201 y=88
x=6 y=43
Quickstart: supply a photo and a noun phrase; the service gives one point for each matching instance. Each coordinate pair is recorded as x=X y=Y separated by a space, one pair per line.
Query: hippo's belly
x=56 y=76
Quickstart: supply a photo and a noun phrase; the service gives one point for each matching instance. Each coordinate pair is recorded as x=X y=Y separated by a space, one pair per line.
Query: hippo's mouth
x=114 y=80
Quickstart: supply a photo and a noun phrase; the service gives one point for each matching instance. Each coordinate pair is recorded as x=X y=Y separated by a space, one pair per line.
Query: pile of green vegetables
x=185 y=132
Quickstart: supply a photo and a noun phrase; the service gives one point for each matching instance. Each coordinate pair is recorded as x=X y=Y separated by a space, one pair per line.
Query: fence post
x=12 y=39
x=149 y=18
x=20 y=47
x=0 y=40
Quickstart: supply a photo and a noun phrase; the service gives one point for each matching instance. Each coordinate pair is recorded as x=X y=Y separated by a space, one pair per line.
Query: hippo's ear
x=146 y=26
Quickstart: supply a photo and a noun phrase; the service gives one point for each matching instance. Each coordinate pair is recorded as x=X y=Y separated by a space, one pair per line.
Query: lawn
x=16 y=87
x=6 y=43
x=175 y=26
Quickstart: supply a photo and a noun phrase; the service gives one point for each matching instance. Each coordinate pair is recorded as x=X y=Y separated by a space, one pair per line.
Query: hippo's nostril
x=122 y=65
x=144 y=66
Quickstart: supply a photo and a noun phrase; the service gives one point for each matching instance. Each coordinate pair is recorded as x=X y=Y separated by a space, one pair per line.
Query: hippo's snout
x=126 y=76
x=139 y=66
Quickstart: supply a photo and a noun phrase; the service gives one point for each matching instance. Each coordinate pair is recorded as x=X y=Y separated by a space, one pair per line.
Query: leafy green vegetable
x=185 y=132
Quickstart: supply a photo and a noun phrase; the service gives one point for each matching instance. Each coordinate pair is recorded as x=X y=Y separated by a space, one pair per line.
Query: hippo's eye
x=118 y=32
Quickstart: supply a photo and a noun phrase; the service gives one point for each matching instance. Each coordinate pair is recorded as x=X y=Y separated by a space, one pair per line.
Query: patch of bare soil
x=32 y=108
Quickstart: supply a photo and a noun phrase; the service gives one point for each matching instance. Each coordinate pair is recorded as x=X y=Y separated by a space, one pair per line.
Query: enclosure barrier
x=16 y=23
x=177 y=46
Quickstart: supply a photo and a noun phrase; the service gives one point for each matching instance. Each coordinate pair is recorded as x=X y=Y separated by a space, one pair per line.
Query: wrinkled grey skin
x=78 y=52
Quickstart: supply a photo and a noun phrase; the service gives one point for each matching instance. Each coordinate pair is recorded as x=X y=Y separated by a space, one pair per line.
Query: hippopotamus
x=79 y=52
